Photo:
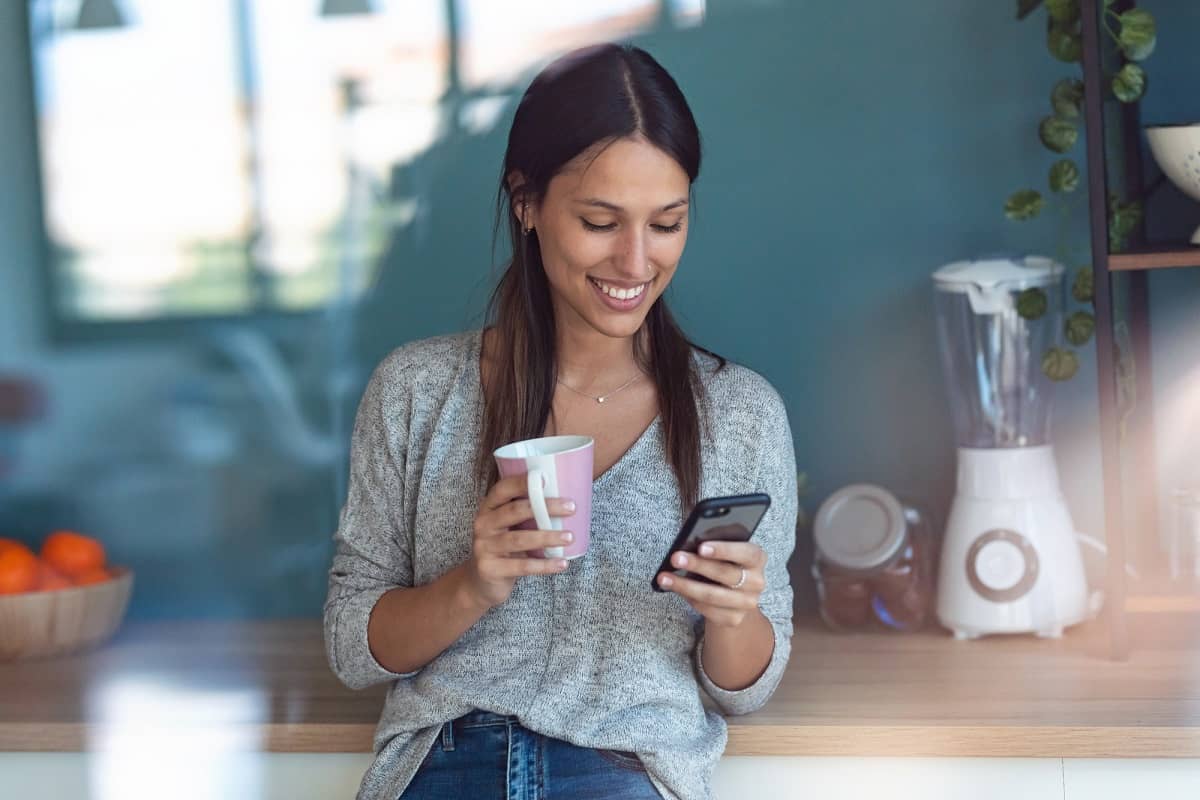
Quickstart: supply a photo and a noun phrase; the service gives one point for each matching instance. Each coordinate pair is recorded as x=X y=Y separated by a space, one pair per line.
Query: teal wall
x=851 y=149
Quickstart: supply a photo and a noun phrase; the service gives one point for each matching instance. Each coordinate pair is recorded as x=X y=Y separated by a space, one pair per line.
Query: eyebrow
x=595 y=201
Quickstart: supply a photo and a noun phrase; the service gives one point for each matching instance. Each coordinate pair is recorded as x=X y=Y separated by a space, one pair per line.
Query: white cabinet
x=303 y=776
x=1143 y=779
x=181 y=776
x=844 y=778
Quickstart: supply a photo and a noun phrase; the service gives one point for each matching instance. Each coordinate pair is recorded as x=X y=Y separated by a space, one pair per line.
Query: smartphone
x=724 y=519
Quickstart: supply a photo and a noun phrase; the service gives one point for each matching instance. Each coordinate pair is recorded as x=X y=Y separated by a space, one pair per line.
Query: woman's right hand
x=498 y=553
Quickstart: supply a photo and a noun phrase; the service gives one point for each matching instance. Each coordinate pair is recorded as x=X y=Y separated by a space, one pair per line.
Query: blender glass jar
x=992 y=354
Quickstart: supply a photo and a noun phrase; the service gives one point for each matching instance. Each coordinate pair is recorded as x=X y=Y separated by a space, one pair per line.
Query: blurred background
x=218 y=215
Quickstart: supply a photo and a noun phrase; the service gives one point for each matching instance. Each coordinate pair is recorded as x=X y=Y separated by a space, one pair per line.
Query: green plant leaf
x=1064 y=11
x=1032 y=304
x=1138 y=34
x=1082 y=288
x=1080 y=327
x=1064 y=176
x=1026 y=7
x=1067 y=98
x=1064 y=43
x=1129 y=84
x=1116 y=242
x=1058 y=134
x=1025 y=204
x=1123 y=218
x=1126 y=217
x=1059 y=364
x=1135 y=211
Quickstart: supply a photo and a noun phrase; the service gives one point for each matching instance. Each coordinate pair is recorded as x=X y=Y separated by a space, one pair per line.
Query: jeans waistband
x=474 y=719
x=480 y=718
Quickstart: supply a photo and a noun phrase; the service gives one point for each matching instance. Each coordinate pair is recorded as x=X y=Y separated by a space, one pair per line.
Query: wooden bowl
x=49 y=623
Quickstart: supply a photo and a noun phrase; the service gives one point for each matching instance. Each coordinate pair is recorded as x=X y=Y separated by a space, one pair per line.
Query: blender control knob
x=1002 y=565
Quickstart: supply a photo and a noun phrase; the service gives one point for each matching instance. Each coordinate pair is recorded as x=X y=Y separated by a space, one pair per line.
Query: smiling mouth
x=618 y=293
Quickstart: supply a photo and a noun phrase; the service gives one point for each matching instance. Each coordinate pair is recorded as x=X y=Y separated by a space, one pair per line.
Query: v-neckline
x=476 y=354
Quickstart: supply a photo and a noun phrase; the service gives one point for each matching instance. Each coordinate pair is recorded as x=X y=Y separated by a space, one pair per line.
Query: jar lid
x=860 y=527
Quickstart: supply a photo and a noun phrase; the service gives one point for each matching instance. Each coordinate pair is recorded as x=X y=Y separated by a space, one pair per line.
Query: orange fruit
x=72 y=554
x=6 y=544
x=18 y=570
x=97 y=575
x=49 y=578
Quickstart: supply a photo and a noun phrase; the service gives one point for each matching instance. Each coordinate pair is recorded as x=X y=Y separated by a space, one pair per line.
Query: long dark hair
x=588 y=97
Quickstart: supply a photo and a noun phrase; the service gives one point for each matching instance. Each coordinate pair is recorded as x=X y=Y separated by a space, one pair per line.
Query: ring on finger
x=741 y=581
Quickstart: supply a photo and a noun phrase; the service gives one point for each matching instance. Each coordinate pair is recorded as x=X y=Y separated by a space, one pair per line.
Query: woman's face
x=611 y=231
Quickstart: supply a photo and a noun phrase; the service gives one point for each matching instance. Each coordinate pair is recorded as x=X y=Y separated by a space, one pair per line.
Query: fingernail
x=706 y=549
x=666 y=580
x=568 y=505
x=561 y=563
x=568 y=536
x=681 y=560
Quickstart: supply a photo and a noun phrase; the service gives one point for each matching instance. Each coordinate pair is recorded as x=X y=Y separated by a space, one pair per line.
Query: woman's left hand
x=721 y=604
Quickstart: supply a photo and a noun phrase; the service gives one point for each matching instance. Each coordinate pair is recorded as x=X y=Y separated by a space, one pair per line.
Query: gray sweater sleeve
x=373 y=543
x=776 y=534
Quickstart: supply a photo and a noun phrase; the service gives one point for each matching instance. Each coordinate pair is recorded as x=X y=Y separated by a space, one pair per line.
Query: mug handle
x=535 y=481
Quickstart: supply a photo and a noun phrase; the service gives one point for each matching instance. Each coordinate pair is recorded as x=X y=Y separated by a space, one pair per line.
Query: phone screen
x=715 y=519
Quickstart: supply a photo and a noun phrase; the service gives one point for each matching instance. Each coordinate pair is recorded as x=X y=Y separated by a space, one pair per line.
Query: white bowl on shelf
x=1176 y=149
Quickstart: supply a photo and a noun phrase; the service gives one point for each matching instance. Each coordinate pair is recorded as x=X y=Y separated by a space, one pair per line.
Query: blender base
x=970 y=636
x=1010 y=561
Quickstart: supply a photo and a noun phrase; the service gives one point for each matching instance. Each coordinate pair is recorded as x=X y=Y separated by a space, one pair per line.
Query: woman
x=534 y=678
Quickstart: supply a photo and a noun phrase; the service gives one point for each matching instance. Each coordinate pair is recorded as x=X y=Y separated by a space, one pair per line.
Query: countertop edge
x=864 y=741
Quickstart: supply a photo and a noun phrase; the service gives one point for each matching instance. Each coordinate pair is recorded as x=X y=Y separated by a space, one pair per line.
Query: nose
x=631 y=259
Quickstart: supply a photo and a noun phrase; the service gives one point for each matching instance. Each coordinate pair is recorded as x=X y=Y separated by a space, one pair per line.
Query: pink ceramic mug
x=557 y=466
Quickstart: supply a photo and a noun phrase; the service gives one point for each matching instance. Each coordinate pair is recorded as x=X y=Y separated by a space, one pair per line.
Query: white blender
x=1010 y=562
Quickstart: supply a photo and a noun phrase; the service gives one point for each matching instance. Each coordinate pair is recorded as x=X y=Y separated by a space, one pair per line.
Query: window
x=218 y=158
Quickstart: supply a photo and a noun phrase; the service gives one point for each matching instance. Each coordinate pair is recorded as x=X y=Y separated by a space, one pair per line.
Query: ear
x=523 y=207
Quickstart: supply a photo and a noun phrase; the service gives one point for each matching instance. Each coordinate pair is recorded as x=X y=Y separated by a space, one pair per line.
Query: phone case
x=732 y=518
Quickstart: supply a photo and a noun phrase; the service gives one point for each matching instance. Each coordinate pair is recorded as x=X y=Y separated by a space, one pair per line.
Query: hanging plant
x=1134 y=35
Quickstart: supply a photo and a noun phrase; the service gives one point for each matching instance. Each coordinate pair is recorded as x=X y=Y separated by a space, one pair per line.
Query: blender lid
x=990 y=284
x=988 y=273
x=860 y=527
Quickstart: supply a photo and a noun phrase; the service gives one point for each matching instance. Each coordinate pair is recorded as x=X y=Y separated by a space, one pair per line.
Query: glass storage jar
x=873 y=562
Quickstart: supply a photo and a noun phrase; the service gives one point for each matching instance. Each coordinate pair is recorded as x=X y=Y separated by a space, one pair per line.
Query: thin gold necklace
x=603 y=397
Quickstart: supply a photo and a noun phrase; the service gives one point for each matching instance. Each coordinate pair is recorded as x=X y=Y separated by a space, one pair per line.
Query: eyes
x=612 y=226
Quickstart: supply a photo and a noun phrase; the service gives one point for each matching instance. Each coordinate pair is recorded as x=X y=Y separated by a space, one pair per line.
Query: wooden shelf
x=1162 y=604
x=1155 y=258
x=1161 y=598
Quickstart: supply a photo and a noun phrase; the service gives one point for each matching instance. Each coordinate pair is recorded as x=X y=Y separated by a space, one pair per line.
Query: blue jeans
x=485 y=756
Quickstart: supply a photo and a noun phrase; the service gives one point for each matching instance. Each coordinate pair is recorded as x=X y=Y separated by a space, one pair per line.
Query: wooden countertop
x=265 y=686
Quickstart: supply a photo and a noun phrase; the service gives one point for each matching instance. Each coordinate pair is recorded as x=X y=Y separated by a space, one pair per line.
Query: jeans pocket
x=623 y=759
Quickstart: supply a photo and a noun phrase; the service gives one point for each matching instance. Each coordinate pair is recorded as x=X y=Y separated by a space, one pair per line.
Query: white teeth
x=619 y=294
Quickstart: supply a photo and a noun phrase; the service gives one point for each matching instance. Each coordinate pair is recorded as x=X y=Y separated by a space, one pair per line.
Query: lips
x=616 y=304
